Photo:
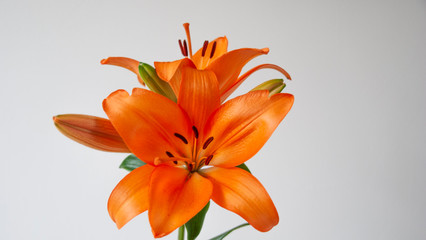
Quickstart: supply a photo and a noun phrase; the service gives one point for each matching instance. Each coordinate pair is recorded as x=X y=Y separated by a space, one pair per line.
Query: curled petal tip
x=159 y=235
x=265 y=50
x=119 y=226
x=104 y=61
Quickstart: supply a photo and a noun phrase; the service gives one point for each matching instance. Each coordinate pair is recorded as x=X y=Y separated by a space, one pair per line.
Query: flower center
x=197 y=159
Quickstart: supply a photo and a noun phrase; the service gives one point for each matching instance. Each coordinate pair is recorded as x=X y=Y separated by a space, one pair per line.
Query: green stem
x=181 y=234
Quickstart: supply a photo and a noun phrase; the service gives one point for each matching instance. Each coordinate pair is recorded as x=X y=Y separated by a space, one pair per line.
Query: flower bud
x=94 y=132
x=151 y=79
x=273 y=86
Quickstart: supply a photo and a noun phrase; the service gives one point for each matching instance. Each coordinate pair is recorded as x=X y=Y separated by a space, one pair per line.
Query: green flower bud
x=273 y=86
x=153 y=82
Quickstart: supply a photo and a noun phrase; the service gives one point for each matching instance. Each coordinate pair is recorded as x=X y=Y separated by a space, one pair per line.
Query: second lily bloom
x=213 y=56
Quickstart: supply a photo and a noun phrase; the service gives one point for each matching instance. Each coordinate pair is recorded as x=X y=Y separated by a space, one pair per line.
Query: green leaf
x=244 y=167
x=223 y=235
x=193 y=226
x=131 y=162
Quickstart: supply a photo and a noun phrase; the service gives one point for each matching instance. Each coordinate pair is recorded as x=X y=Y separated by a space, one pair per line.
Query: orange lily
x=192 y=148
x=213 y=56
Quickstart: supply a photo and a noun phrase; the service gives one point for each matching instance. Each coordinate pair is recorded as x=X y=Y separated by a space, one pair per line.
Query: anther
x=181 y=47
x=181 y=138
x=208 y=160
x=169 y=154
x=190 y=167
x=213 y=49
x=175 y=162
x=203 y=52
x=185 y=47
x=195 y=131
x=208 y=141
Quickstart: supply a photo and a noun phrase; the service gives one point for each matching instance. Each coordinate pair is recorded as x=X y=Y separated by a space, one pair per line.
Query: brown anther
x=203 y=52
x=175 y=162
x=208 y=160
x=185 y=47
x=195 y=131
x=190 y=167
x=181 y=47
x=181 y=138
x=208 y=141
x=213 y=50
x=169 y=154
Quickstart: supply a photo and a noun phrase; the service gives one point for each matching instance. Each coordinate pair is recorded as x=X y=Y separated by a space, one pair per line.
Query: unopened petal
x=154 y=83
x=91 y=131
x=274 y=86
x=240 y=192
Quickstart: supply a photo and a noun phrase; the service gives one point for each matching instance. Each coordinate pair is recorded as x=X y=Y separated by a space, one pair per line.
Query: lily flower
x=213 y=56
x=192 y=148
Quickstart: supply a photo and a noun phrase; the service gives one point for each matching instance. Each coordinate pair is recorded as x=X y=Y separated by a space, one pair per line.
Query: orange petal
x=175 y=197
x=240 y=192
x=124 y=62
x=242 y=125
x=199 y=95
x=171 y=72
x=130 y=197
x=91 y=131
x=228 y=67
x=243 y=77
x=221 y=48
x=148 y=123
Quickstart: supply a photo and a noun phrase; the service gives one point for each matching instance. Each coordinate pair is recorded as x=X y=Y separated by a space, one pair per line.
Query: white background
x=348 y=162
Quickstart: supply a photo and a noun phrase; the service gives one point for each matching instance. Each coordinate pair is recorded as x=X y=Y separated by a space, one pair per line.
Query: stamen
x=213 y=50
x=181 y=47
x=175 y=162
x=190 y=167
x=169 y=154
x=203 y=52
x=185 y=47
x=195 y=131
x=188 y=36
x=181 y=138
x=206 y=144
x=208 y=160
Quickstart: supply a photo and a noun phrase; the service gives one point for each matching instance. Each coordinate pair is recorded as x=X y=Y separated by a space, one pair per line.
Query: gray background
x=348 y=162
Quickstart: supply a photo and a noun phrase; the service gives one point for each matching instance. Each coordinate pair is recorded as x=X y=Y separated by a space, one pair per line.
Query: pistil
x=188 y=36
